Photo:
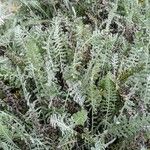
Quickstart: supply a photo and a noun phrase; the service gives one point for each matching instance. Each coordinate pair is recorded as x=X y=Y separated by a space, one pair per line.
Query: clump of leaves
x=74 y=75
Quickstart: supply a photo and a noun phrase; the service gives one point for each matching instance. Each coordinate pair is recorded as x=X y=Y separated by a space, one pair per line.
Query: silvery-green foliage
x=76 y=73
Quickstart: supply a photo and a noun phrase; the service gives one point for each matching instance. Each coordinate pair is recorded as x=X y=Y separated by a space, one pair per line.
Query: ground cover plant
x=74 y=75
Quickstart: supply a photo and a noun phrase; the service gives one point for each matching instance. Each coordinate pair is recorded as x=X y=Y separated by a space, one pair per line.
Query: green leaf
x=80 y=117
